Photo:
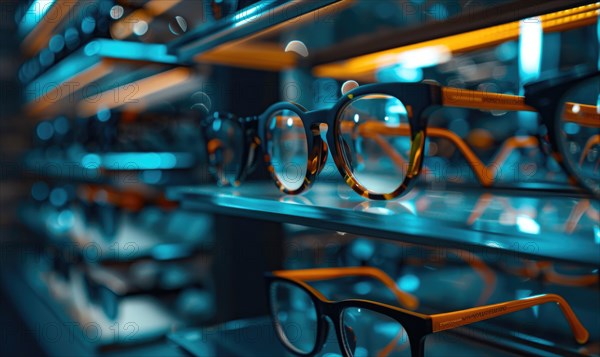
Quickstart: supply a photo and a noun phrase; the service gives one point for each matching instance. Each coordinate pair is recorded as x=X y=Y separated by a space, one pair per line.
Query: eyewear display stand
x=62 y=334
x=256 y=337
x=421 y=218
x=248 y=221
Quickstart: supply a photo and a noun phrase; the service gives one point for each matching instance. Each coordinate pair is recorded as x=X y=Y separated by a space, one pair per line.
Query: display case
x=435 y=168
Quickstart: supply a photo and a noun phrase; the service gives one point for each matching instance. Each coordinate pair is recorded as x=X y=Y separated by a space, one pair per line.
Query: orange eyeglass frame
x=416 y=325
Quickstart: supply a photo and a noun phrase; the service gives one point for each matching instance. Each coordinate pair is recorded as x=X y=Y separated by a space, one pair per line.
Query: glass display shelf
x=200 y=43
x=107 y=74
x=55 y=328
x=118 y=169
x=528 y=223
x=44 y=19
x=136 y=236
x=445 y=34
x=257 y=337
x=279 y=35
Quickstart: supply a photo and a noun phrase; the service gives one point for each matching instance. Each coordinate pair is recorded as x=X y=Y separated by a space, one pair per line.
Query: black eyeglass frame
x=420 y=99
x=546 y=97
x=248 y=127
x=416 y=325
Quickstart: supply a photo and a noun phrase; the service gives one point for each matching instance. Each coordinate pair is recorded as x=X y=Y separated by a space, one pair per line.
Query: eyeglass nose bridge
x=318 y=151
x=331 y=314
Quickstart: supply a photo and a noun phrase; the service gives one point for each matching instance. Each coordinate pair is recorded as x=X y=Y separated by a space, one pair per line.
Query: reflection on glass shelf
x=534 y=223
x=107 y=74
x=142 y=319
x=257 y=337
x=125 y=236
x=260 y=17
x=120 y=167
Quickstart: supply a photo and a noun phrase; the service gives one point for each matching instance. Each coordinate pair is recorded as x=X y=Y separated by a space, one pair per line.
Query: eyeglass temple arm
x=582 y=114
x=408 y=300
x=585 y=115
x=465 y=98
x=484 y=174
x=450 y=320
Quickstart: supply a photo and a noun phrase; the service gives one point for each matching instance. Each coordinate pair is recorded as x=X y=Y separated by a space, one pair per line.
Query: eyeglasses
x=106 y=287
x=374 y=127
x=231 y=143
x=362 y=327
x=103 y=206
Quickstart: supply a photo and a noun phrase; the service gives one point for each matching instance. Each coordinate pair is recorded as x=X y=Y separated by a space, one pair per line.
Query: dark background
x=15 y=339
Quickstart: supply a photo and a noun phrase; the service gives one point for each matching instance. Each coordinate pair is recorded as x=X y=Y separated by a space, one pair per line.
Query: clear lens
x=375 y=141
x=288 y=148
x=578 y=130
x=369 y=333
x=225 y=146
x=295 y=317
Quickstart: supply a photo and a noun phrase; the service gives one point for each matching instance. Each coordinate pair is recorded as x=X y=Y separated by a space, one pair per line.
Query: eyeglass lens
x=288 y=148
x=369 y=333
x=374 y=134
x=295 y=317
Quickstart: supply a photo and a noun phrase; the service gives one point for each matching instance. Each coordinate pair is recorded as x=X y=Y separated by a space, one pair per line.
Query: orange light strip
x=265 y=56
x=364 y=67
x=124 y=27
x=245 y=52
x=39 y=37
x=42 y=105
x=158 y=7
x=465 y=98
x=135 y=91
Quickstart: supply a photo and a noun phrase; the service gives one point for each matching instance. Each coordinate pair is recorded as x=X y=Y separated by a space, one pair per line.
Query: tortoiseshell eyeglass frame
x=420 y=99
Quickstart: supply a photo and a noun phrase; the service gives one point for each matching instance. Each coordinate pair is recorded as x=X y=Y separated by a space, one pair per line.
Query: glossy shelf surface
x=259 y=35
x=42 y=312
x=537 y=224
x=105 y=74
x=244 y=23
x=257 y=337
